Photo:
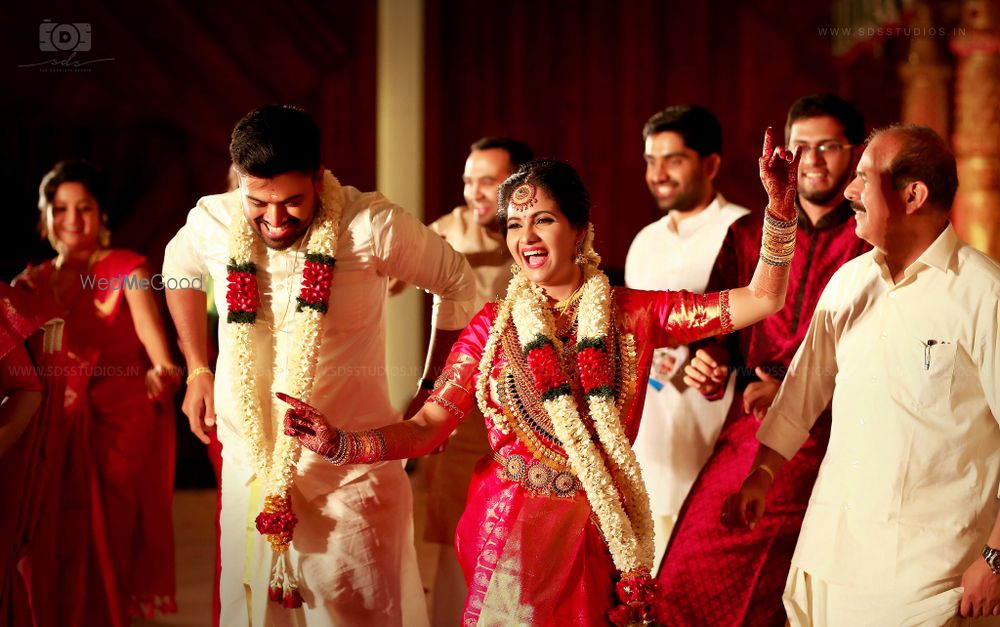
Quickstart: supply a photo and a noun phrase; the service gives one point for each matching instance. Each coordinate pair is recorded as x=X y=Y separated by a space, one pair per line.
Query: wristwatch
x=992 y=557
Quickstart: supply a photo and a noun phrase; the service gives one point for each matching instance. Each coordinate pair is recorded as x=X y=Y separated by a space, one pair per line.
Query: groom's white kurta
x=353 y=546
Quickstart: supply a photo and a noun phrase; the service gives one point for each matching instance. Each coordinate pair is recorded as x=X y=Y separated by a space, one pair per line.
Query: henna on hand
x=308 y=425
x=779 y=175
x=769 y=281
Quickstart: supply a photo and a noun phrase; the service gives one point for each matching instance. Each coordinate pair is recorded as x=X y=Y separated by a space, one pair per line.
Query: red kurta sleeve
x=728 y=272
x=726 y=269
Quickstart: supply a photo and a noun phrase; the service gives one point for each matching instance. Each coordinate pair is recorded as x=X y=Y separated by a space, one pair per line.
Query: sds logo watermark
x=71 y=38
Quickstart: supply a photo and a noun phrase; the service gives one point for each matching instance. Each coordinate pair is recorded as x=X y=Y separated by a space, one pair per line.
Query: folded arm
x=408 y=252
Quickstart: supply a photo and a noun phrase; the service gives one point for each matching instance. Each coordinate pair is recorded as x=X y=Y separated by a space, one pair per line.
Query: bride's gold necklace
x=569 y=300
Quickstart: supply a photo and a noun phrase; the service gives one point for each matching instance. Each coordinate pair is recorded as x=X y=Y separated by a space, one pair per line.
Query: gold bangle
x=197 y=372
x=765 y=468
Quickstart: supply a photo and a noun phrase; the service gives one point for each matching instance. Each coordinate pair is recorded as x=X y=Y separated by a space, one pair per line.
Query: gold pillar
x=399 y=173
x=976 y=45
x=925 y=76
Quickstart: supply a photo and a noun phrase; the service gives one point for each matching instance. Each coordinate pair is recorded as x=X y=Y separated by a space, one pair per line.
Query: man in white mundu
x=302 y=266
x=683 y=148
x=902 y=526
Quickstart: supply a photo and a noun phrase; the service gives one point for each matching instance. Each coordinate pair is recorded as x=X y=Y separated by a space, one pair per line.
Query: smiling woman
x=558 y=529
x=109 y=498
x=544 y=236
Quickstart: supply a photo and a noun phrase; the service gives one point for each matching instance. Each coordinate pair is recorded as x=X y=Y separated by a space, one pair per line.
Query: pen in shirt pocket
x=927 y=351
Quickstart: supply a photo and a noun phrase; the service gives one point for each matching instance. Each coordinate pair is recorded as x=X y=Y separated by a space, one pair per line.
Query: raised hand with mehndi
x=779 y=175
x=766 y=292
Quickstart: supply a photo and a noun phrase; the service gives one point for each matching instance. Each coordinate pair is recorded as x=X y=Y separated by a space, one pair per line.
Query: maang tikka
x=524 y=197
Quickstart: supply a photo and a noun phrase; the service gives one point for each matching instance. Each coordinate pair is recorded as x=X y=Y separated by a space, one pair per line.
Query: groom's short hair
x=274 y=139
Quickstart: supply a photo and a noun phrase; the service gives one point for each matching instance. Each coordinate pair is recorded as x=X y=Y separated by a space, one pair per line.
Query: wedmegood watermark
x=156 y=282
x=65 y=37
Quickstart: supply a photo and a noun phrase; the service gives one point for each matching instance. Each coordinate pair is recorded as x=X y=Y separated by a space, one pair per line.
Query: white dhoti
x=812 y=602
x=352 y=552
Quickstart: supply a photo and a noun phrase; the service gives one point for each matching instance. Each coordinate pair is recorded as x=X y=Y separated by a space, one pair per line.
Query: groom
x=305 y=263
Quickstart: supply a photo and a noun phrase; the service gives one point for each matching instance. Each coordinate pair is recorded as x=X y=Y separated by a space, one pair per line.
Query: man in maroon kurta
x=712 y=576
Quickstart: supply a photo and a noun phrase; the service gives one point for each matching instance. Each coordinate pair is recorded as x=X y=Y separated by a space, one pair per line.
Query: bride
x=557 y=529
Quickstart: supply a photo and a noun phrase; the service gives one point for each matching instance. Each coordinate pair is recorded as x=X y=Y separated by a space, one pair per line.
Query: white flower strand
x=629 y=535
x=275 y=470
x=594 y=319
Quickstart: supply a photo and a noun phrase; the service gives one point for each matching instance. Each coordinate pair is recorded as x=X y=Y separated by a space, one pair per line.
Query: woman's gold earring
x=580 y=258
x=104 y=233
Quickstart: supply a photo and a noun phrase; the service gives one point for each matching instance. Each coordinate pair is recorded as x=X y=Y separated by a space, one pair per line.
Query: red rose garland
x=316 y=278
x=543 y=363
x=241 y=292
x=639 y=595
x=637 y=592
x=278 y=522
x=594 y=366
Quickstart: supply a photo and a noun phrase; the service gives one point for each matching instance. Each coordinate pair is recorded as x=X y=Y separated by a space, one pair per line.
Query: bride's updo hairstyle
x=559 y=180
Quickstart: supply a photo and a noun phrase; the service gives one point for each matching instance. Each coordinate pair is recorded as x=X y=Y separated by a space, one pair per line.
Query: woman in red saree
x=21 y=395
x=557 y=529
x=105 y=548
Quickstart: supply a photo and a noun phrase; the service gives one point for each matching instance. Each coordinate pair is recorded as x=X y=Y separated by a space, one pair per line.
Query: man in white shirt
x=288 y=243
x=901 y=527
x=683 y=152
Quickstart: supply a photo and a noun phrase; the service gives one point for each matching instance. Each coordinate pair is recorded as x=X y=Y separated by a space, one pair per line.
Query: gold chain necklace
x=279 y=327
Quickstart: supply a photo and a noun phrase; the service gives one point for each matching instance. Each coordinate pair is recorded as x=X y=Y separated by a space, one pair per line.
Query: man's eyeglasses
x=826 y=149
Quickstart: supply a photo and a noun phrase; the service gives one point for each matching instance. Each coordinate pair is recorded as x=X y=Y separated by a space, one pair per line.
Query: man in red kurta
x=711 y=576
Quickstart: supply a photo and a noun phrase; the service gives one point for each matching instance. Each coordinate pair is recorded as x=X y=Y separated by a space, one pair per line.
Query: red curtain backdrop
x=158 y=116
x=574 y=78
x=577 y=79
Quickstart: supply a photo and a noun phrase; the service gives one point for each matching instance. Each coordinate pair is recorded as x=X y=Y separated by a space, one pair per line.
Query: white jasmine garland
x=628 y=529
x=274 y=468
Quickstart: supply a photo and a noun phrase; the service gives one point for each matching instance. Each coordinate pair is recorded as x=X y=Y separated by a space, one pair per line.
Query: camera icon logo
x=63 y=37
